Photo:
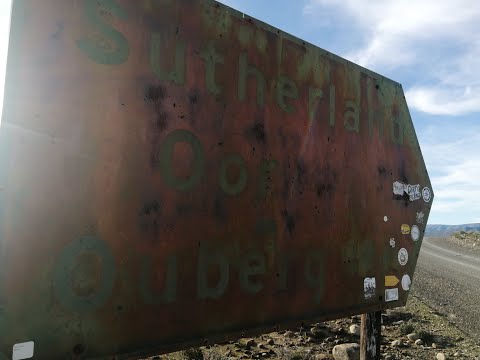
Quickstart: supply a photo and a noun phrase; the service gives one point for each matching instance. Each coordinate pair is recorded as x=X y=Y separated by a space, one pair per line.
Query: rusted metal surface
x=174 y=171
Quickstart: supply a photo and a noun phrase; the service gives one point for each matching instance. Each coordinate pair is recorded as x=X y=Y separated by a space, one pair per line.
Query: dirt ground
x=437 y=334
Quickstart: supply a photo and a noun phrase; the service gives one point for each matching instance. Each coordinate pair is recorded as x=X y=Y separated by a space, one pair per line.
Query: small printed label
x=405 y=229
x=413 y=191
x=369 y=287
x=392 y=243
x=426 y=194
x=406 y=282
x=420 y=217
x=23 y=351
x=403 y=256
x=391 y=295
x=415 y=233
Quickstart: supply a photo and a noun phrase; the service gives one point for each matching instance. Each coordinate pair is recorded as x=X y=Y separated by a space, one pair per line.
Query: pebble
x=396 y=343
x=270 y=342
x=289 y=334
x=346 y=352
x=457 y=354
x=355 y=330
x=250 y=343
x=413 y=336
x=419 y=342
x=434 y=346
x=441 y=356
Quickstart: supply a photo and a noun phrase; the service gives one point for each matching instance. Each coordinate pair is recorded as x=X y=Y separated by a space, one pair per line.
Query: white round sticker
x=406 y=282
x=426 y=194
x=415 y=232
x=403 y=256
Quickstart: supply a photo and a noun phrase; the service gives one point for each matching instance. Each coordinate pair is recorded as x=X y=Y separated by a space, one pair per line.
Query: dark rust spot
x=382 y=171
x=161 y=122
x=289 y=221
x=154 y=94
x=324 y=189
x=78 y=349
x=257 y=132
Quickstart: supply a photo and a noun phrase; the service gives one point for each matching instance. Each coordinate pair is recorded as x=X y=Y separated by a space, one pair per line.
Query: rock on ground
x=346 y=352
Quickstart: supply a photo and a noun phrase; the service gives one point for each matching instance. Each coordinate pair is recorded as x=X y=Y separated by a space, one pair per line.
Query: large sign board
x=174 y=172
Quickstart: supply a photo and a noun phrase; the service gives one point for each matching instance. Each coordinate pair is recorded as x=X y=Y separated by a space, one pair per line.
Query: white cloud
x=454 y=171
x=444 y=100
x=440 y=39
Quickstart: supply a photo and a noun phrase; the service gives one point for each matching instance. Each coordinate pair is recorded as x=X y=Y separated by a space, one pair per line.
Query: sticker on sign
x=23 y=351
x=391 y=295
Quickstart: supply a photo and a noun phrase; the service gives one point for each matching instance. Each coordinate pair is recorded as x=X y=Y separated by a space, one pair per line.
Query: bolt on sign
x=175 y=172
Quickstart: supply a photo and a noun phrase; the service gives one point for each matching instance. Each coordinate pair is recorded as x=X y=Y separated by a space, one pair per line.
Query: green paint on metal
x=208 y=258
x=177 y=75
x=251 y=266
x=245 y=34
x=111 y=48
x=286 y=88
x=77 y=285
x=169 y=293
x=314 y=97
x=241 y=183
x=314 y=273
x=261 y=40
x=397 y=130
x=351 y=117
x=166 y=155
x=211 y=58
x=246 y=70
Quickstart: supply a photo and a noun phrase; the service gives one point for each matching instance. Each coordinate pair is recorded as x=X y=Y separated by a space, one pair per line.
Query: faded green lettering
x=286 y=88
x=76 y=273
x=166 y=157
x=211 y=58
x=374 y=118
x=244 y=71
x=207 y=259
x=252 y=265
x=237 y=187
x=314 y=97
x=351 y=117
x=282 y=274
x=332 y=105
x=169 y=293
x=396 y=130
x=111 y=47
x=178 y=74
x=315 y=273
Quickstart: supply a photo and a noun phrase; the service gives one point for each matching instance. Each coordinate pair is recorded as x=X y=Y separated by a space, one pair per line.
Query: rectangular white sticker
x=23 y=351
x=369 y=287
x=391 y=294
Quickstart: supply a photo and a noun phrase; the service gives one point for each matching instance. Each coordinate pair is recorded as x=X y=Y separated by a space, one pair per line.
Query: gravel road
x=448 y=278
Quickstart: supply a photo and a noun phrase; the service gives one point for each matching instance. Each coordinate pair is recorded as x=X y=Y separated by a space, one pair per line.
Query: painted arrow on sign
x=391 y=280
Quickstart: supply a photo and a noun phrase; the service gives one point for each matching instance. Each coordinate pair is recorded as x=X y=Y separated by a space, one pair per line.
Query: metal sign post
x=370 y=336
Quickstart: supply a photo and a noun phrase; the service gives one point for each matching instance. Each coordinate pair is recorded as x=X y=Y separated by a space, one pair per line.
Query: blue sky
x=432 y=48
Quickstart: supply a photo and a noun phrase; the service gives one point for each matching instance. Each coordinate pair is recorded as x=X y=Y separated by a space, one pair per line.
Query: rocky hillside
x=469 y=240
x=447 y=230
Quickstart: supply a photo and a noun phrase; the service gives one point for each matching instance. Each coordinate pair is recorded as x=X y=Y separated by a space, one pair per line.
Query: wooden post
x=370 y=336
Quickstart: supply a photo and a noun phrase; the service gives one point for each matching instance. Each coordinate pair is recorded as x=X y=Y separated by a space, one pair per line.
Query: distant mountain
x=447 y=230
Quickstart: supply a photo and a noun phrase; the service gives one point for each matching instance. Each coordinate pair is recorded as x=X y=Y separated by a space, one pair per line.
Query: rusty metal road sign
x=176 y=172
